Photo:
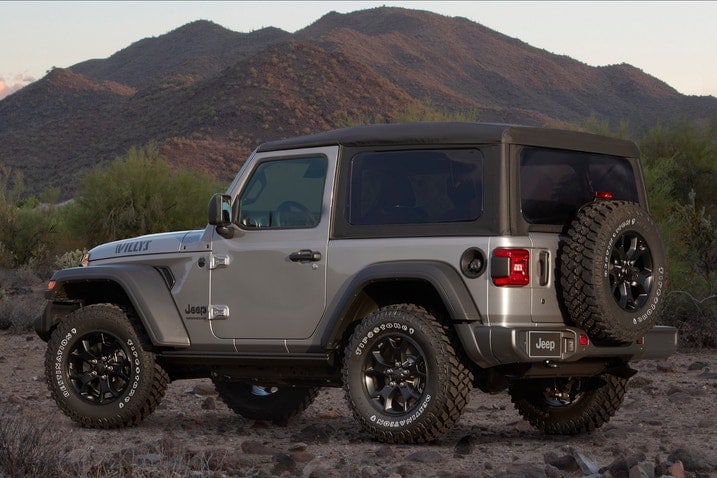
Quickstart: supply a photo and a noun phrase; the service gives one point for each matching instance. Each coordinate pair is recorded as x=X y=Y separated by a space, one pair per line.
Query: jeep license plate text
x=544 y=344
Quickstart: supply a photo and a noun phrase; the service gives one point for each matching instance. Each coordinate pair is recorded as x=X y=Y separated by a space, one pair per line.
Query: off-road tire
x=273 y=404
x=404 y=379
x=613 y=271
x=591 y=403
x=98 y=370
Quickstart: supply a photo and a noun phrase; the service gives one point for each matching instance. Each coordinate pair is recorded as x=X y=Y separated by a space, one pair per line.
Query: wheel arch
x=434 y=285
x=140 y=288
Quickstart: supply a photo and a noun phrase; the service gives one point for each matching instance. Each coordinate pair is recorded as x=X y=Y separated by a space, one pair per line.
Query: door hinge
x=218 y=261
x=218 y=312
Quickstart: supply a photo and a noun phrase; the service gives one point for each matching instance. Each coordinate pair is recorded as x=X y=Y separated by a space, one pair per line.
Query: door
x=269 y=280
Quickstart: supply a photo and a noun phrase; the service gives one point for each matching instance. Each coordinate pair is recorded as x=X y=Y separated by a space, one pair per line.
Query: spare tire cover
x=613 y=271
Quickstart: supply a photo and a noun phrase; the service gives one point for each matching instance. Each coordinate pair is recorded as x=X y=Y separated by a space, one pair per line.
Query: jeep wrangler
x=406 y=263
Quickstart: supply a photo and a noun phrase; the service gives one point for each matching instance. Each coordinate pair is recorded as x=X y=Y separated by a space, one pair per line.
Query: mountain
x=208 y=95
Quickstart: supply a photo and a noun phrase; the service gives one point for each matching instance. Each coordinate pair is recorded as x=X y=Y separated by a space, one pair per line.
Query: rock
x=645 y=469
x=204 y=389
x=466 y=445
x=622 y=467
x=565 y=463
x=369 y=472
x=677 y=470
x=665 y=367
x=209 y=404
x=284 y=463
x=587 y=464
x=302 y=456
x=552 y=472
x=252 y=447
x=692 y=460
x=299 y=447
x=697 y=365
x=708 y=375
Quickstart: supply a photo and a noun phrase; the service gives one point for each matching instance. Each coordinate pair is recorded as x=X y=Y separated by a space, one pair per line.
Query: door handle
x=544 y=263
x=305 y=255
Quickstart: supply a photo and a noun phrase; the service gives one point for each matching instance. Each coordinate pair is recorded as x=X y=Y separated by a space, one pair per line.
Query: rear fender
x=443 y=278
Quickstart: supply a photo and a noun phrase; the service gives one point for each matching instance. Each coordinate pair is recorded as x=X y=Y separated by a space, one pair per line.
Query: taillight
x=603 y=195
x=510 y=267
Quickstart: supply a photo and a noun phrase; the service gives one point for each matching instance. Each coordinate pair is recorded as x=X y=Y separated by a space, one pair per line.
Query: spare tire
x=613 y=271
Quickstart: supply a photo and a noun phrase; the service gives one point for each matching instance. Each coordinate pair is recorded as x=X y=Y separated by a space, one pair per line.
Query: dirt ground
x=669 y=415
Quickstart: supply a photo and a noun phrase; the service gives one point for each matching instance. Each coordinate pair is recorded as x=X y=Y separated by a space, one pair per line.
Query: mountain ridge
x=208 y=95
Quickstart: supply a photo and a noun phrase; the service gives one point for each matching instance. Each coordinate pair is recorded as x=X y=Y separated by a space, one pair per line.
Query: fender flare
x=146 y=290
x=441 y=276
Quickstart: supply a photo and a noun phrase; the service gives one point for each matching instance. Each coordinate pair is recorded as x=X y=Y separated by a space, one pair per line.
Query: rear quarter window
x=554 y=184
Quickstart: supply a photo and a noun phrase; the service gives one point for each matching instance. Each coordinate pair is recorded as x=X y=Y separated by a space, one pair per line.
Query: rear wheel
x=568 y=406
x=274 y=404
x=99 y=373
x=403 y=379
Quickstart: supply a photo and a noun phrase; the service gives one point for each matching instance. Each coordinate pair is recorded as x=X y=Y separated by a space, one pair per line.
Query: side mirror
x=220 y=214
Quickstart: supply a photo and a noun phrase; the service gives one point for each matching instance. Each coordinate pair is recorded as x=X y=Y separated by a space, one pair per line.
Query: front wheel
x=274 y=404
x=402 y=376
x=568 y=406
x=98 y=372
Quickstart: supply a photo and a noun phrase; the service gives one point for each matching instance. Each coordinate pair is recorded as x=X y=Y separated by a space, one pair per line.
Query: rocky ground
x=666 y=426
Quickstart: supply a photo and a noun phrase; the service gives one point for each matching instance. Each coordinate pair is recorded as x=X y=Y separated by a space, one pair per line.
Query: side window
x=415 y=187
x=285 y=193
x=554 y=184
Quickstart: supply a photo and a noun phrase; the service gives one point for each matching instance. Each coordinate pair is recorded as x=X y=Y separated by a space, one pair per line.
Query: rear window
x=554 y=184
x=416 y=187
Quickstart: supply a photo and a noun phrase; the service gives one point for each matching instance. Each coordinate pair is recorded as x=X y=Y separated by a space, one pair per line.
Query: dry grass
x=28 y=449
x=21 y=299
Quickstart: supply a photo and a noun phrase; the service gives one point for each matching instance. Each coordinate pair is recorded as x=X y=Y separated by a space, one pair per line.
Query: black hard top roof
x=450 y=133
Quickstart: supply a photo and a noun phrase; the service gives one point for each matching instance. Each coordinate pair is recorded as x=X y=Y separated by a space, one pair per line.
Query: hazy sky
x=673 y=41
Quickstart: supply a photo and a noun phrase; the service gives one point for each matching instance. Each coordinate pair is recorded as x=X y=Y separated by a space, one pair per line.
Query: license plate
x=544 y=344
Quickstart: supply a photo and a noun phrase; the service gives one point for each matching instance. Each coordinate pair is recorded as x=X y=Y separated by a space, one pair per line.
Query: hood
x=162 y=243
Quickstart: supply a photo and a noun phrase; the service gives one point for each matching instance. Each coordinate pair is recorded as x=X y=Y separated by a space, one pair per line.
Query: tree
x=139 y=194
x=28 y=228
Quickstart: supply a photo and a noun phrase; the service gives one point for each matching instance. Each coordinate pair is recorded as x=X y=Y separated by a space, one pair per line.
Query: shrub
x=27 y=449
x=20 y=299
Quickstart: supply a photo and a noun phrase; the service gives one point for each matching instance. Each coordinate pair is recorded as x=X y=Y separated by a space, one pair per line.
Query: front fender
x=143 y=287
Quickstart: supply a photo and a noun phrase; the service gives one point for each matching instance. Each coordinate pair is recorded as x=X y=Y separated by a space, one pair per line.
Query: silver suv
x=406 y=263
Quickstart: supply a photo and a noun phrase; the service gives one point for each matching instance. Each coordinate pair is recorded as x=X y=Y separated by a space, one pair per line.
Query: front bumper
x=489 y=346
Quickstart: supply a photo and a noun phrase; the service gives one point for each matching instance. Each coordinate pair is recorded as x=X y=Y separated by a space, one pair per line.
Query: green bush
x=139 y=194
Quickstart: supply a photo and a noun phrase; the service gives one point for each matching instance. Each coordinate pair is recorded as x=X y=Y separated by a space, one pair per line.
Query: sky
x=673 y=41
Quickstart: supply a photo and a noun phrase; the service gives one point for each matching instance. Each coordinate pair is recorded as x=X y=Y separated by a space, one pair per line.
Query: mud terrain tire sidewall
x=588 y=271
x=277 y=407
x=442 y=392
x=141 y=393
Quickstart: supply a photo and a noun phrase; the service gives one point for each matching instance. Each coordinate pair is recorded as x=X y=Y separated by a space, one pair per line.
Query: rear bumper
x=489 y=346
